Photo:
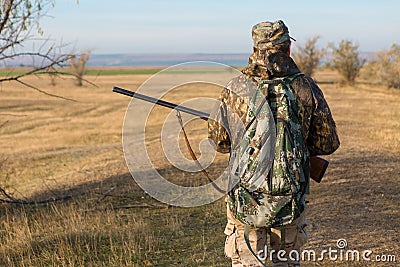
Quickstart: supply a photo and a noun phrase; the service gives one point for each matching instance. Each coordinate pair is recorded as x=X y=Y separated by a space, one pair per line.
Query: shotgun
x=318 y=165
x=202 y=115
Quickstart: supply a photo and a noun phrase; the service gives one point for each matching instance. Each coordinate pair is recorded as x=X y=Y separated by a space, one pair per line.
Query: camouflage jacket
x=318 y=126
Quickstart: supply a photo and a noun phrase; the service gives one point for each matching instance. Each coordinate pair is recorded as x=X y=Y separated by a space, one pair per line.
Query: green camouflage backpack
x=272 y=173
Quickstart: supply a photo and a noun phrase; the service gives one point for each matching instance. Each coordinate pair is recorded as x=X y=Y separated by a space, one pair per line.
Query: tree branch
x=44 y=92
x=7 y=15
x=4 y=123
x=6 y=198
x=18 y=18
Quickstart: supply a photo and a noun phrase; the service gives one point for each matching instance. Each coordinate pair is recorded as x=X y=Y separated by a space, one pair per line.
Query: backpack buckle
x=297 y=153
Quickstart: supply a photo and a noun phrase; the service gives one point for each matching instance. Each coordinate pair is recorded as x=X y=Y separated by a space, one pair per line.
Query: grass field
x=55 y=148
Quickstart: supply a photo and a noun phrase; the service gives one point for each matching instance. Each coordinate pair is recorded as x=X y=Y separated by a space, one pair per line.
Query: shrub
x=308 y=57
x=78 y=65
x=346 y=60
x=388 y=66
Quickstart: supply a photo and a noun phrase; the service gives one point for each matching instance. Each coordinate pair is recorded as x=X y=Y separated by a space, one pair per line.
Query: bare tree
x=346 y=60
x=309 y=56
x=78 y=65
x=19 y=20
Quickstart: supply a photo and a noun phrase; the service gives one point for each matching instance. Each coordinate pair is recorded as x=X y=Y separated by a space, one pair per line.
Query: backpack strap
x=288 y=80
x=247 y=240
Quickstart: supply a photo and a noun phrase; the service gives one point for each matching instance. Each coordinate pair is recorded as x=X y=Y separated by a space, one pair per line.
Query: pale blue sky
x=219 y=26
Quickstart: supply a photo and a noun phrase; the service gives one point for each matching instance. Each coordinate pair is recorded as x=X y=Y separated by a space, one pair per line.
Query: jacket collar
x=270 y=66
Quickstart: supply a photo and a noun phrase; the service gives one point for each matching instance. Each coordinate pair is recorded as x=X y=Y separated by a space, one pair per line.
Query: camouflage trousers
x=289 y=239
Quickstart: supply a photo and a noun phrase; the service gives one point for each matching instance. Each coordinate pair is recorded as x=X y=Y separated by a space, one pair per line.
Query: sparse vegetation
x=309 y=56
x=346 y=60
x=387 y=66
x=51 y=147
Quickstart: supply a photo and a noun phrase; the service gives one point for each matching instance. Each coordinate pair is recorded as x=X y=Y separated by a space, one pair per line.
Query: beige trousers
x=284 y=243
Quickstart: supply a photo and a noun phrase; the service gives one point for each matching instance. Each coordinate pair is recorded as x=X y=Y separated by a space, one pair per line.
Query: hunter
x=270 y=60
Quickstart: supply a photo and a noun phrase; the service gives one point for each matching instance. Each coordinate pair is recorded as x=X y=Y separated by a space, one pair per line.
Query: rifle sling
x=193 y=155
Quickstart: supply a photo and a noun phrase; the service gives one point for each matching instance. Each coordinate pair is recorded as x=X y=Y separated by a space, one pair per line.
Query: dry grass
x=55 y=147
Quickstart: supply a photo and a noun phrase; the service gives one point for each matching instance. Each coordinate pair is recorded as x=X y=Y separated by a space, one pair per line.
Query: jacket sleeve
x=323 y=138
x=216 y=130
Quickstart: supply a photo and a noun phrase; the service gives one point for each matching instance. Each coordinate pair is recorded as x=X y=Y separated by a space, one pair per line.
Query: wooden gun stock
x=318 y=167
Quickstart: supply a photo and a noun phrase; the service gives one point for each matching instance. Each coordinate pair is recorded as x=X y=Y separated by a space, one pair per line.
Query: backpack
x=271 y=161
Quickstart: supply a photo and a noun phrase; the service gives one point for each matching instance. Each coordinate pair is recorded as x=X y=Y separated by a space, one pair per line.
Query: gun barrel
x=201 y=114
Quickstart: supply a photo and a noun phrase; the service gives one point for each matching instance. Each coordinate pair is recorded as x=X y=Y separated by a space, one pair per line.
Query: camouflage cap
x=267 y=34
